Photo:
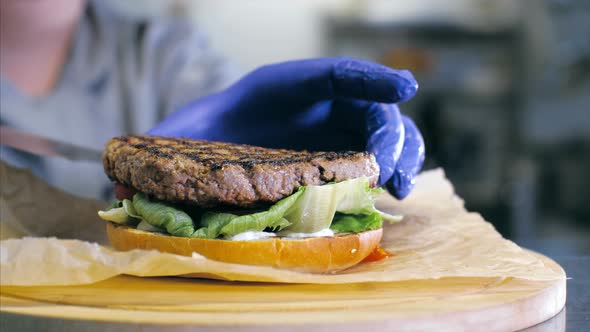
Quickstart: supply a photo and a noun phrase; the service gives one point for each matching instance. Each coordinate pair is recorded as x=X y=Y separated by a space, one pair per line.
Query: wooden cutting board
x=132 y=304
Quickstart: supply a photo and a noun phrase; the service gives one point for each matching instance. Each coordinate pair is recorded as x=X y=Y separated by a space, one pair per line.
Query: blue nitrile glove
x=316 y=104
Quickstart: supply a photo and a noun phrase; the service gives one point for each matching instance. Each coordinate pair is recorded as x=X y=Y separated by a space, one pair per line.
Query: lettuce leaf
x=120 y=213
x=116 y=215
x=272 y=219
x=356 y=223
x=390 y=218
x=147 y=227
x=130 y=209
x=163 y=215
x=347 y=206
x=212 y=223
x=317 y=206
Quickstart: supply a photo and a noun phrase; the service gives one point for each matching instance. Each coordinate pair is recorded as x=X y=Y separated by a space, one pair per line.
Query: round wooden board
x=132 y=304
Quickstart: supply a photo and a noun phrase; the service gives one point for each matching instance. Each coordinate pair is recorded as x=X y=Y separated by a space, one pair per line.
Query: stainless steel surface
x=43 y=146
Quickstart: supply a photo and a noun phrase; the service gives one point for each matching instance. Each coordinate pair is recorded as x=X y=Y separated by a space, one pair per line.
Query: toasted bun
x=315 y=255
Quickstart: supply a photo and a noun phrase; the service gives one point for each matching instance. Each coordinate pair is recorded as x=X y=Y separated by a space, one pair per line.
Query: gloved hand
x=316 y=104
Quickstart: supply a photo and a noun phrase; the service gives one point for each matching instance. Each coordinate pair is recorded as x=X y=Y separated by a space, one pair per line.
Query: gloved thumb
x=410 y=162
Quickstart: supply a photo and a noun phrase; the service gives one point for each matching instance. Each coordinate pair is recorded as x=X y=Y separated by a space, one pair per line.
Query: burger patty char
x=210 y=174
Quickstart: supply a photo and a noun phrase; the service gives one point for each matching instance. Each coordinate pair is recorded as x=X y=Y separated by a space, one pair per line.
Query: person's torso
x=98 y=96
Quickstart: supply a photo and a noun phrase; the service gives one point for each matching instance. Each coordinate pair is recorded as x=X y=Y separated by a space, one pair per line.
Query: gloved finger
x=385 y=137
x=314 y=80
x=409 y=163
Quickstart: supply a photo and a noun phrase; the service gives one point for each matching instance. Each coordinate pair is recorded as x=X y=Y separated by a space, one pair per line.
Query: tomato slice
x=377 y=254
x=123 y=192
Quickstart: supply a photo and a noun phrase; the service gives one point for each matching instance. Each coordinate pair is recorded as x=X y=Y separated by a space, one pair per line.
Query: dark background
x=504 y=109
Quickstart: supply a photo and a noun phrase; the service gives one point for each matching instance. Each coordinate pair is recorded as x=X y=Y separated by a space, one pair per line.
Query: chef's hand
x=316 y=104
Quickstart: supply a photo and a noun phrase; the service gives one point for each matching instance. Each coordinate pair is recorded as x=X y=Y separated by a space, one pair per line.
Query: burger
x=298 y=210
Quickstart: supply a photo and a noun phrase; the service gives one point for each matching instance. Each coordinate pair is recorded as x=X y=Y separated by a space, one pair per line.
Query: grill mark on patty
x=155 y=150
x=158 y=152
x=210 y=174
x=211 y=158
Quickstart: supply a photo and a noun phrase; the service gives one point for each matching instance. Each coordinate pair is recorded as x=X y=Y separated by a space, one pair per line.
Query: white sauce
x=323 y=233
x=251 y=235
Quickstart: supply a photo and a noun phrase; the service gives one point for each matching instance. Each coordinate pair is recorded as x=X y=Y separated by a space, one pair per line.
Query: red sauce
x=123 y=192
x=376 y=255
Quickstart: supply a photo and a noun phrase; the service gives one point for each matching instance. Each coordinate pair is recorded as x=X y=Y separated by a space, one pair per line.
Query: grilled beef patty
x=209 y=174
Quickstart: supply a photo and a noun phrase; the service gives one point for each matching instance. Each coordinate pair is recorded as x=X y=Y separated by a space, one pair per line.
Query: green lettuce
x=130 y=209
x=212 y=223
x=121 y=213
x=317 y=206
x=164 y=216
x=116 y=215
x=145 y=226
x=356 y=223
x=272 y=219
x=347 y=206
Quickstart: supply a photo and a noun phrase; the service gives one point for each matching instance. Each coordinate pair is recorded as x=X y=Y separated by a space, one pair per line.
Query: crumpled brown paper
x=31 y=207
x=437 y=238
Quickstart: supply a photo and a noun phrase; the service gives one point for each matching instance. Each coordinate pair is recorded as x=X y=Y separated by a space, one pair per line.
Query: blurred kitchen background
x=504 y=99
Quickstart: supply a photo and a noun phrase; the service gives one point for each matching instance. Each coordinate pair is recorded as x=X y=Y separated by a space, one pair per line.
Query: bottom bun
x=315 y=255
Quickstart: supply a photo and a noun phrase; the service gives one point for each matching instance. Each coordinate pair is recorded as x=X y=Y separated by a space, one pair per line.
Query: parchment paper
x=437 y=238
